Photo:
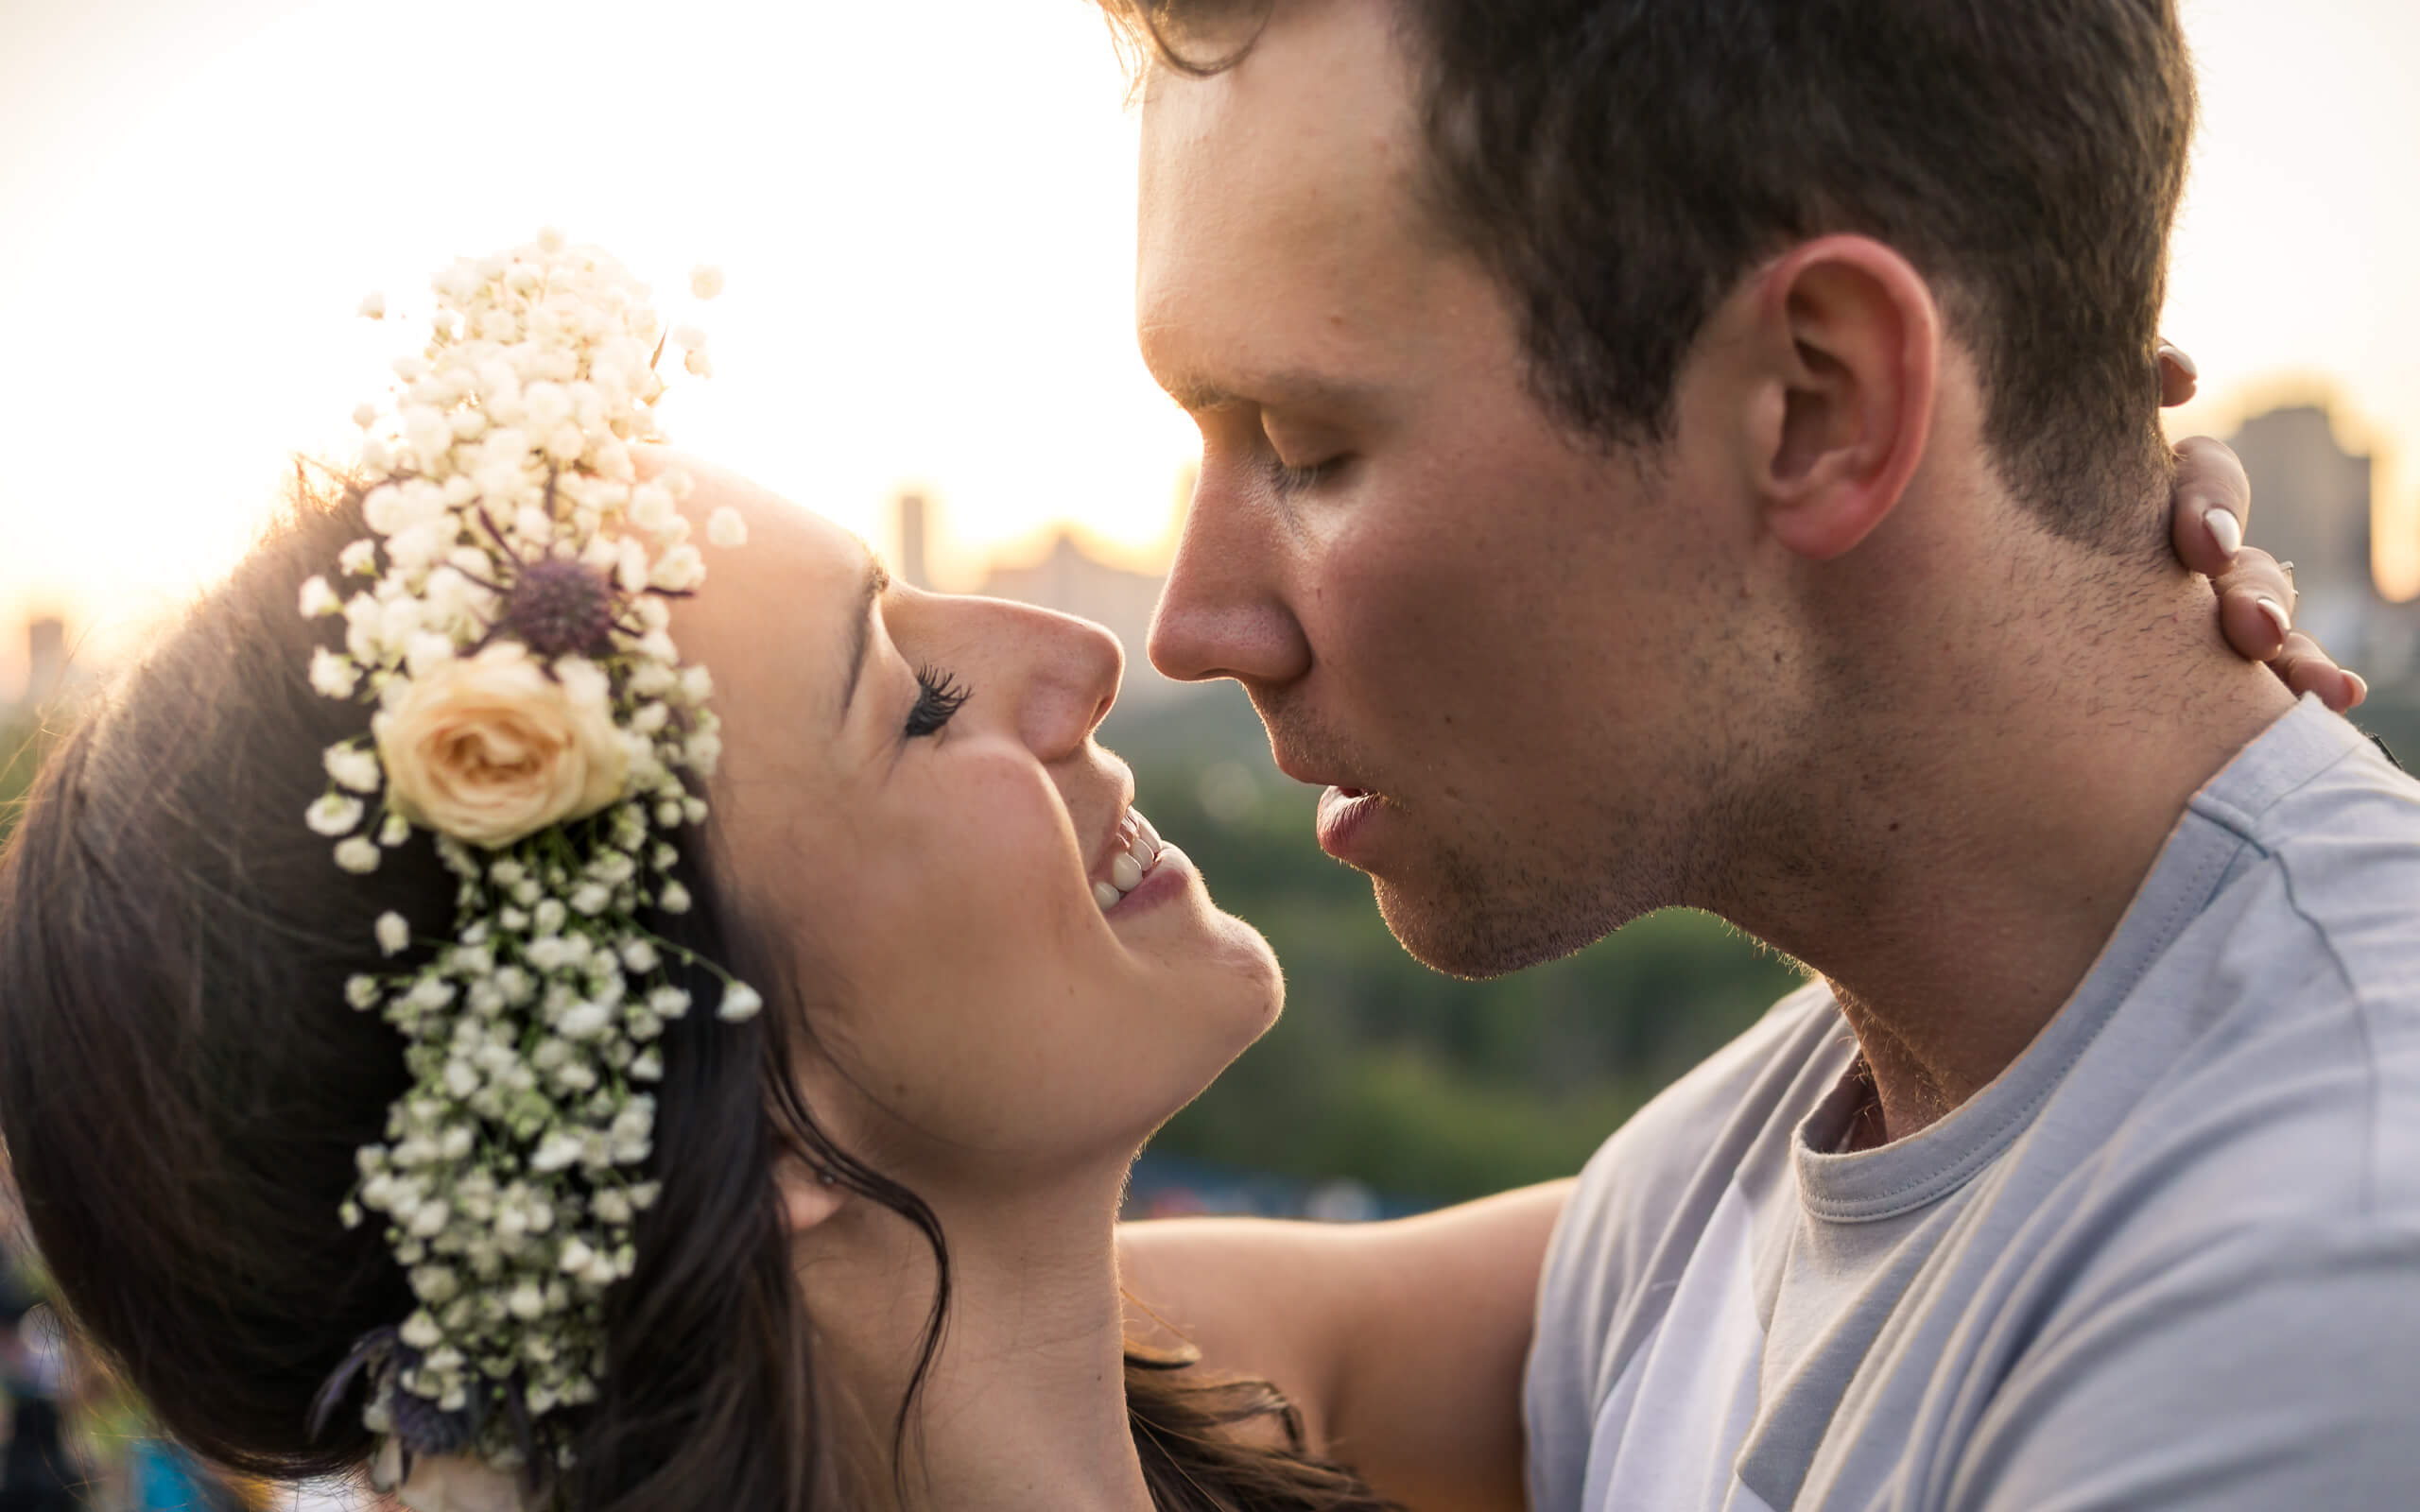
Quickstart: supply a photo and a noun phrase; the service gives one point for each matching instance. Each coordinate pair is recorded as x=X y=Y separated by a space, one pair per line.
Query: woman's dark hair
x=183 y=1088
x=1620 y=164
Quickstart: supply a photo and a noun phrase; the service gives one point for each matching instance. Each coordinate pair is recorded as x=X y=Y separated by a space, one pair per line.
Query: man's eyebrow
x=1288 y=387
x=861 y=628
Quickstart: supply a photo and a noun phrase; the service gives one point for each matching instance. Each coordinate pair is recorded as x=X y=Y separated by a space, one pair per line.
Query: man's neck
x=1983 y=829
x=1023 y=1406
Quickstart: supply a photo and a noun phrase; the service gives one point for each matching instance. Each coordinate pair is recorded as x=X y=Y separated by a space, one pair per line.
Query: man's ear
x=1847 y=343
x=807 y=1196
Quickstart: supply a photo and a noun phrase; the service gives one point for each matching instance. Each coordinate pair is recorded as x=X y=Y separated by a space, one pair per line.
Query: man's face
x=1523 y=651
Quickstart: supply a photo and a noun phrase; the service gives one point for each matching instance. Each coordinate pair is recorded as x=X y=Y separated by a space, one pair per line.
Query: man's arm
x=1401 y=1343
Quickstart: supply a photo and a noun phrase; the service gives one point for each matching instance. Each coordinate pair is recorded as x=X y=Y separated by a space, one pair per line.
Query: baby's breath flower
x=427 y=652
x=334 y=815
x=372 y=306
x=585 y=1021
x=705 y=281
x=503 y=467
x=739 y=1000
x=333 y=674
x=352 y=769
x=559 y=1150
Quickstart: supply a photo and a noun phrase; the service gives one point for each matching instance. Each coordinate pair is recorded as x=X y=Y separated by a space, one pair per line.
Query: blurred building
x=45 y=659
x=49 y=674
x=2310 y=505
x=915 y=517
x=1066 y=576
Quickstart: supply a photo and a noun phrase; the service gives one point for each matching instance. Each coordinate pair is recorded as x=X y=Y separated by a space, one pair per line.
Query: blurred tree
x=21 y=749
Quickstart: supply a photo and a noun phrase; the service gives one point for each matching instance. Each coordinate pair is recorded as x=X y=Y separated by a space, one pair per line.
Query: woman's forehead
x=785 y=604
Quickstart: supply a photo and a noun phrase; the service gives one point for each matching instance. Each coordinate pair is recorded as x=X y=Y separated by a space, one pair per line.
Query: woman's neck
x=1023 y=1406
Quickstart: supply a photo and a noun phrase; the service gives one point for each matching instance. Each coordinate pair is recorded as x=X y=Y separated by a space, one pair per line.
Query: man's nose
x=1223 y=613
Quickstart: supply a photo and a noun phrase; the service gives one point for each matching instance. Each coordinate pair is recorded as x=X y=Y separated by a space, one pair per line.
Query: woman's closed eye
x=939 y=697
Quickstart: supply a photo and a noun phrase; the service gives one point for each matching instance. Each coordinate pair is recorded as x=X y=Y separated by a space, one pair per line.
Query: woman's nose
x=1060 y=674
x=1091 y=668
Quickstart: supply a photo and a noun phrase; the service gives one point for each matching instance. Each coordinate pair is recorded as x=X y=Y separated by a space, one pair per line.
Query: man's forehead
x=1277 y=196
x=1312 y=135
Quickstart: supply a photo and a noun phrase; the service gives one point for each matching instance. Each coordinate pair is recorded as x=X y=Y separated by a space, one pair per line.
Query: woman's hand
x=2206 y=520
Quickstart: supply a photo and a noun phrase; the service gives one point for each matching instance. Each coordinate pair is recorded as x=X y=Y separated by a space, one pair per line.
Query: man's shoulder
x=2278 y=1044
x=2318 y=958
x=2306 y=951
x=2338 y=821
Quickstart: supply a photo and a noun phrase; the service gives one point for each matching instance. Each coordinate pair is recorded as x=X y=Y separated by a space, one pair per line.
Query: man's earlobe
x=1854 y=338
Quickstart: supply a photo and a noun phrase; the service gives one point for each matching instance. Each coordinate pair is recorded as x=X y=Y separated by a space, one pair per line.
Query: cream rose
x=491 y=749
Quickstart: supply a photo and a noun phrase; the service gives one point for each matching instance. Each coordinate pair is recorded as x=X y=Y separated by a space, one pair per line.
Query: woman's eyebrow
x=878 y=577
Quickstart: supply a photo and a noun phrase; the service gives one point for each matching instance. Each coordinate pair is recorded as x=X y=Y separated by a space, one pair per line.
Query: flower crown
x=507 y=620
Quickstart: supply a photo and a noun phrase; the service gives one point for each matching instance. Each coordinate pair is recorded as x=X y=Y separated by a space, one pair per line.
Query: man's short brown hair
x=1622 y=163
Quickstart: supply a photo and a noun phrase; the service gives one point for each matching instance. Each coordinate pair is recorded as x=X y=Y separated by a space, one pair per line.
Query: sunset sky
x=925 y=213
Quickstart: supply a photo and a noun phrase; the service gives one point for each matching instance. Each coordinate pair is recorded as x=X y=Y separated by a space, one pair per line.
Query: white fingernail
x=2225 y=531
x=2277 y=615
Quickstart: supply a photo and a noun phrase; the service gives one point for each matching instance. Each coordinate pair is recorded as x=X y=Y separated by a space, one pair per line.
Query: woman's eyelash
x=939 y=696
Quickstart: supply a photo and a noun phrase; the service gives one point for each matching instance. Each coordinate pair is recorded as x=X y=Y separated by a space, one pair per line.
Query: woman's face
x=933 y=864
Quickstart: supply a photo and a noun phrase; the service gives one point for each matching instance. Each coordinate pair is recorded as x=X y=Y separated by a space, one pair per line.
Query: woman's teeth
x=1132 y=864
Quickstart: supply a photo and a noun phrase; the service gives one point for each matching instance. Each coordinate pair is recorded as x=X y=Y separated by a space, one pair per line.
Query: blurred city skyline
x=926 y=215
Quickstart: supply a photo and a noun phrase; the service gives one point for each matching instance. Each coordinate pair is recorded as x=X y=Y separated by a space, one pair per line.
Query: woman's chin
x=1240 y=987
